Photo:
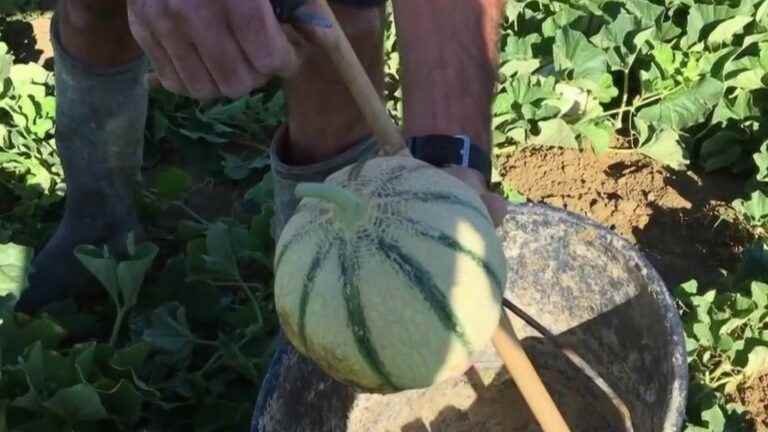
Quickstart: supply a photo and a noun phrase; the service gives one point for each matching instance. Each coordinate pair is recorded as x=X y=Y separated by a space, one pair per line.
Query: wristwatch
x=444 y=150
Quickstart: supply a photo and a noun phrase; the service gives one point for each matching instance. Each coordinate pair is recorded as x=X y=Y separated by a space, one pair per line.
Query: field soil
x=673 y=217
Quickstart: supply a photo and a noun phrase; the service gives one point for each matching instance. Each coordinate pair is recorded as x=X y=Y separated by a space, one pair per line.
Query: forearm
x=449 y=62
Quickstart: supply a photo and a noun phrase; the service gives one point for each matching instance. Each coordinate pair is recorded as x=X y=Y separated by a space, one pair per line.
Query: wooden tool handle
x=527 y=379
x=337 y=47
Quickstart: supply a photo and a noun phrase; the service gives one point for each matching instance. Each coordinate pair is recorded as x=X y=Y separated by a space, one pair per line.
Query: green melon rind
x=350 y=275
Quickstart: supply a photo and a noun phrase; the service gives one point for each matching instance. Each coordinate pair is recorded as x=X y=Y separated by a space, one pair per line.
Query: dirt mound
x=754 y=397
x=675 y=218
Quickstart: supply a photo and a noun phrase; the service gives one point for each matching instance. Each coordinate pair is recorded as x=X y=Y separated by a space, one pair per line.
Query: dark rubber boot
x=100 y=119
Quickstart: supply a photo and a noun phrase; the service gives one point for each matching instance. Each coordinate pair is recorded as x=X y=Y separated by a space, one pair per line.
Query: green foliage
x=30 y=172
x=190 y=338
x=726 y=330
x=674 y=78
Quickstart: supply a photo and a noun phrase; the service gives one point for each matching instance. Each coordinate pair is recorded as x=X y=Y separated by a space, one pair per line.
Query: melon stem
x=350 y=208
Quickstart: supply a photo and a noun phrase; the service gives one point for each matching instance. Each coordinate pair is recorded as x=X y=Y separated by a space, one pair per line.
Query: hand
x=207 y=49
x=496 y=205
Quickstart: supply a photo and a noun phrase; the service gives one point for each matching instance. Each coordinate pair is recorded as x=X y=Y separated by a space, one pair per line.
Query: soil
x=754 y=397
x=675 y=218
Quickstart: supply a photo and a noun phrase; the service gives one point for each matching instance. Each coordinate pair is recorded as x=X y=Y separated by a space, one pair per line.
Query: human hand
x=496 y=205
x=207 y=49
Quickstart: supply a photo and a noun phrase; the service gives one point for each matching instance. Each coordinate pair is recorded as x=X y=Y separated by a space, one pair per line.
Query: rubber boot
x=100 y=118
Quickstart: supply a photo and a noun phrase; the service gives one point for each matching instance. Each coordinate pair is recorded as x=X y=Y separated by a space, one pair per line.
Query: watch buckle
x=465 y=148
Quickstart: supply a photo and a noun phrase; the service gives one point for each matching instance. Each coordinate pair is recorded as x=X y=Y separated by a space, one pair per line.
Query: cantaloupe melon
x=389 y=275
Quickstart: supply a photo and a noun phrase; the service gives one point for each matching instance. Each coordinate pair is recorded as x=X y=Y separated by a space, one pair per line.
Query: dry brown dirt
x=674 y=217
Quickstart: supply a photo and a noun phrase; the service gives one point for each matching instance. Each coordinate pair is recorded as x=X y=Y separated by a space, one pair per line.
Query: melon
x=389 y=275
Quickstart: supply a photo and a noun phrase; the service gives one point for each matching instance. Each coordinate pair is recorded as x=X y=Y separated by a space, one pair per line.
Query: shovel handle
x=336 y=46
x=524 y=374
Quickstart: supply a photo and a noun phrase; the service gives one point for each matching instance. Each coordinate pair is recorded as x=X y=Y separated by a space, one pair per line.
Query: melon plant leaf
x=6 y=61
x=759 y=292
x=102 y=266
x=761 y=16
x=77 y=403
x=754 y=209
x=555 y=133
x=666 y=148
x=168 y=329
x=573 y=51
x=220 y=254
x=647 y=12
x=172 y=183
x=15 y=263
x=131 y=357
x=714 y=418
x=123 y=402
x=726 y=30
x=684 y=108
x=599 y=135
x=721 y=150
x=761 y=160
x=131 y=272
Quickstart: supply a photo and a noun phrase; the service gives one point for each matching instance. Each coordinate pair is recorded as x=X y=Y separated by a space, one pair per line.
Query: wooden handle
x=337 y=47
x=527 y=379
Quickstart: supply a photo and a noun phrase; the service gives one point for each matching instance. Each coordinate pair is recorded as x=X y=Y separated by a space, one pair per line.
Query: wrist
x=446 y=150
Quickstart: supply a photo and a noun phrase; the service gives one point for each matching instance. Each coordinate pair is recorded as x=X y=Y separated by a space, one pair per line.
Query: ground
x=678 y=219
x=672 y=216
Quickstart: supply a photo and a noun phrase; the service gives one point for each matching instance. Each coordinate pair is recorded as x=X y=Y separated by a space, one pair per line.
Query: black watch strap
x=444 y=150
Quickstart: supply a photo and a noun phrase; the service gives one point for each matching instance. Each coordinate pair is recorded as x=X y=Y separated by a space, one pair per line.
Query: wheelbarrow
x=594 y=317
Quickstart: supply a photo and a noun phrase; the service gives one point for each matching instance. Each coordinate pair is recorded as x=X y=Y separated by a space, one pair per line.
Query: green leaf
x=263 y=192
x=759 y=292
x=714 y=418
x=131 y=357
x=684 y=108
x=647 y=12
x=171 y=183
x=102 y=266
x=726 y=30
x=168 y=329
x=131 y=272
x=511 y=193
x=572 y=51
x=15 y=262
x=555 y=133
x=703 y=334
x=721 y=150
x=77 y=403
x=237 y=168
x=220 y=252
x=754 y=209
x=761 y=160
x=599 y=136
x=666 y=148
x=123 y=402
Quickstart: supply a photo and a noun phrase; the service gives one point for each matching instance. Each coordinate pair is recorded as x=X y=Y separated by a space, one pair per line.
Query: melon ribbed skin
x=402 y=298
